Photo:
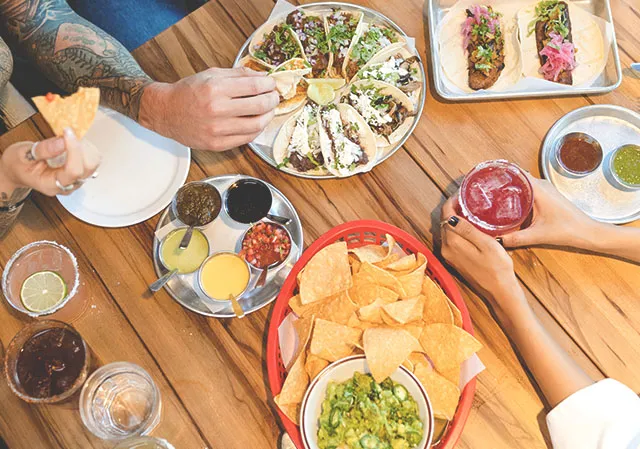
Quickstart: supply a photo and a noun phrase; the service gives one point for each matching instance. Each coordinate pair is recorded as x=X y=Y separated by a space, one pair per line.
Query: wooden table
x=212 y=372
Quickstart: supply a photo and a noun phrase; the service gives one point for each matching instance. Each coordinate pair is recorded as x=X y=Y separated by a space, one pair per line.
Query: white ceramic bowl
x=343 y=370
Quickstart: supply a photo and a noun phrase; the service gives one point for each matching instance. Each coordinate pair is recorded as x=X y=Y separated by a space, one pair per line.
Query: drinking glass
x=120 y=400
x=33 y=258
x=15 y=348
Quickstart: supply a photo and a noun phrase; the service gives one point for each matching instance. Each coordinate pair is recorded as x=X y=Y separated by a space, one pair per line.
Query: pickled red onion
x=479 y=12
x=560 y=56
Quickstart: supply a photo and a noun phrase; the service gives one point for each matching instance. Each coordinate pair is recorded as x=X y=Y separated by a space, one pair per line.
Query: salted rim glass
x=104 y=401
x=13 y=352
x=38 y=256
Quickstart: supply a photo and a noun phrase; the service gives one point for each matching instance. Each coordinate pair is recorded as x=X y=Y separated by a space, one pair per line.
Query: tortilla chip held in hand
x=77 y=111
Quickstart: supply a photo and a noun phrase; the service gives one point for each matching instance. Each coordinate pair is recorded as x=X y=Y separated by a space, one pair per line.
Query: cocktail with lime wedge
x=40 y=278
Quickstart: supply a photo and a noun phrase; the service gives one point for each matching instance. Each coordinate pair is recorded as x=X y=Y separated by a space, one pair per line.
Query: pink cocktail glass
x=496 y=197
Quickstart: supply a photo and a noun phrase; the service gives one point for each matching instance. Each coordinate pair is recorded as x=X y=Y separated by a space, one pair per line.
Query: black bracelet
x=13 y=207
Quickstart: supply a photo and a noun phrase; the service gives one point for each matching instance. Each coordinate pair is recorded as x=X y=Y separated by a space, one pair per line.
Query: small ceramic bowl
x=343 y=370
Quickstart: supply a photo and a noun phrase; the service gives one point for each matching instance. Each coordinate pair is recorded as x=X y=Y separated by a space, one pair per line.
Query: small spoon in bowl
x=237 y=308
x=157 y=285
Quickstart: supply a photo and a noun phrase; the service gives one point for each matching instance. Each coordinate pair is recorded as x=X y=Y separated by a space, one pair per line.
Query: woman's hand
x=482 y=261
x=25 y=165
x=556 y=221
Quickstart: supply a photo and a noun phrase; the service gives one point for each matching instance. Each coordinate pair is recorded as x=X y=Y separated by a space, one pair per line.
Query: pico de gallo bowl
x=266 y=244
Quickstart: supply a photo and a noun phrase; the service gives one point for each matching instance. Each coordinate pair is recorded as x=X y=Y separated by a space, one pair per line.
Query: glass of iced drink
x=496 y=197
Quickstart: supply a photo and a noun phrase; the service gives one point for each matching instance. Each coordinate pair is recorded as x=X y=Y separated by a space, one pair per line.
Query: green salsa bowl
x=624 y=166
x=345 y=386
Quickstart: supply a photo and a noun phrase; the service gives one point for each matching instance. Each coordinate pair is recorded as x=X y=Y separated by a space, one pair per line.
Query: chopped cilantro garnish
x=284 y=162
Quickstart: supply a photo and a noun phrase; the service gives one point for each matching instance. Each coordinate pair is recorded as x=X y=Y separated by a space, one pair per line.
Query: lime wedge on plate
x=43 y=291
x=336 y=83
x=321 y=93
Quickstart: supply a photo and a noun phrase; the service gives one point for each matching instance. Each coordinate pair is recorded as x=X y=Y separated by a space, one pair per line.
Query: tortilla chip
x=314 y=365
x=388 y=261
x=327 y=273
x=405 y=311
x=447 y=345
x=303 y=327
x=404 y=263
x=420 y=265
x=435 y=295
x=436 y=305
x=371 y=313
x=332 y=341
x=443 y=394
x=418 y=358
x=355 y=264
x=297 y=381
x=452 y=374
x=77 y=111
x=291 y=411
x=365 y=294
x=415 y=329
x=355 y=322
x=370 y=274
x=457 y=315
x=386 y=349
x=412 y=283
x=303 y=310
x=370 y=253
x=338 y=308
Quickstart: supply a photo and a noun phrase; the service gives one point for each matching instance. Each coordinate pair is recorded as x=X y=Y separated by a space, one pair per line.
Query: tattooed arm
x=73 y=52
x=216 y=109
x=6 y=64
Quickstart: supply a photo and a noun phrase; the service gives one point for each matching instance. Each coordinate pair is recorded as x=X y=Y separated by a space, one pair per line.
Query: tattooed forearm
x=72 y=52
x=10 y=207
x=6 y=64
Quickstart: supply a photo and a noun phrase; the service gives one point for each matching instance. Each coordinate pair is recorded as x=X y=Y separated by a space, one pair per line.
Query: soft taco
x=371 y=38
x=252 y=63
x=342 y=27
x=385 y=108
x=297 y=145
x=310 y=30
x=397 y=66
x=275 y=43
x=348 y=144
x=484 y=45
x=290 y=84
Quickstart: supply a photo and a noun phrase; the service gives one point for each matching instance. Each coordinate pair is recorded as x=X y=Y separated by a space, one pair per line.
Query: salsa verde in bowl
x=344 y=408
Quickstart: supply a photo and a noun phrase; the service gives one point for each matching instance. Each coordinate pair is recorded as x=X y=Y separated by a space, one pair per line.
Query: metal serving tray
x=266 y=152
x=609 y=80
x=224 y=234
x=596 y=194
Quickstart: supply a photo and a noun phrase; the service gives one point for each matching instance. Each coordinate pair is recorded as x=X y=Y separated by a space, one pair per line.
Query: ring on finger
x=65 y=189
x=31 y=154
x=94 y=175
x=79 y=182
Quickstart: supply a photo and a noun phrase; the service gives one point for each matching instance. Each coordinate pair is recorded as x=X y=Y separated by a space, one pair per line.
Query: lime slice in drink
x=43 y=291
x=335 y=83
x=321 y=93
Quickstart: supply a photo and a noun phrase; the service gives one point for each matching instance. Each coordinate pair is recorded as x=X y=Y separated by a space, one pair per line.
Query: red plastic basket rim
x=440 y=274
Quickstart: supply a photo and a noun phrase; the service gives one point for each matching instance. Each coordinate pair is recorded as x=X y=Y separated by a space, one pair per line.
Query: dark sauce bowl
x=13 y=355
x=247 y=200
x=578 y=162
x=187 y=193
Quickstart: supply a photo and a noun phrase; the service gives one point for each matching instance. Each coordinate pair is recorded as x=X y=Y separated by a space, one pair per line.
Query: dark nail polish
x=453 y=221
x=499 y=240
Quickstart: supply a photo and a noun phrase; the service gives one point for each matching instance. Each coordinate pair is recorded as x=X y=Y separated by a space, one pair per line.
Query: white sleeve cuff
x=605 y=415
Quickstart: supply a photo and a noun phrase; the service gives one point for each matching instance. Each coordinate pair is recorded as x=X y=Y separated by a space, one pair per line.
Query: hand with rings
x=56 y=166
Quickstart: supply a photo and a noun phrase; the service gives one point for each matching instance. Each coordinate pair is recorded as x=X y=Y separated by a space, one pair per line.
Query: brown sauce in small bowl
x=579 y=153
x=197 y=204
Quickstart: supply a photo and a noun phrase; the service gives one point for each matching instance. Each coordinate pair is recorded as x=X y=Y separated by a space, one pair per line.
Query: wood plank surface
x=212 y=372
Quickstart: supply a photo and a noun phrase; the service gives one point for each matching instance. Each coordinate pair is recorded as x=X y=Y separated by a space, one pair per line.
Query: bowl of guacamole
x=345 y=408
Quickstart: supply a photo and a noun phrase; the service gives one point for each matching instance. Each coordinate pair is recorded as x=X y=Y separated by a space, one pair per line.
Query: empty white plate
x=139 y=174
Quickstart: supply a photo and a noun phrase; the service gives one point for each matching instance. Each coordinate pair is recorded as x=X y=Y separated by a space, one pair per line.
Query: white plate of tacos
x=351 y=88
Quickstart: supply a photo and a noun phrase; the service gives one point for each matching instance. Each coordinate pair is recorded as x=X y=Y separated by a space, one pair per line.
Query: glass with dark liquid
x=46 y=362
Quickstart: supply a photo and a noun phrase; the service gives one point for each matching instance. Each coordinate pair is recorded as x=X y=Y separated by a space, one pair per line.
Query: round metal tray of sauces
x=265 y=152
x=596 y=194
x=225 y=234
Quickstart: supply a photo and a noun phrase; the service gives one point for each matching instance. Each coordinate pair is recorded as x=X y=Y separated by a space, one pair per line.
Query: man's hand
x=216 y=109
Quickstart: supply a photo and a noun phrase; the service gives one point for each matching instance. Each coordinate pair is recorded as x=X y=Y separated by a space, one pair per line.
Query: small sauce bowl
x=578 y=154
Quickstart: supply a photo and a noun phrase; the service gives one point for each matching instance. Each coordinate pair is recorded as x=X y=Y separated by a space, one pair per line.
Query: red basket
x=359 y=233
